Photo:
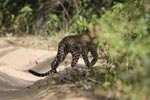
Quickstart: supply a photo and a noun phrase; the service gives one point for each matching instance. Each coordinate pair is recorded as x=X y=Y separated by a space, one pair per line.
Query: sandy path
x=17 y=84
x=14 y=61
x=14 y=78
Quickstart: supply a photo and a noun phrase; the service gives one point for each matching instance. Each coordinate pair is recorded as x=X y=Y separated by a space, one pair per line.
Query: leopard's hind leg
x=61 y=55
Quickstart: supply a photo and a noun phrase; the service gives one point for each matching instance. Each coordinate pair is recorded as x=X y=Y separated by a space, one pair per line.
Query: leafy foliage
x=53 y=23
x=22 y=21
x=125 y=30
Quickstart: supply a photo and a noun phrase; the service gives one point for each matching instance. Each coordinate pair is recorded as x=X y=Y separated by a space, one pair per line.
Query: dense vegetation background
x=124 y=26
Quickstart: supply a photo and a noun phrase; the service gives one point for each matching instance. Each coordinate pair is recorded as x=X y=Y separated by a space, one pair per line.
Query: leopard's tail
x=41 y=74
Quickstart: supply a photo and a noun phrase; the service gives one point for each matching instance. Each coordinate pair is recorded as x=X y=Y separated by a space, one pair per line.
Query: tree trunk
x=58 y=7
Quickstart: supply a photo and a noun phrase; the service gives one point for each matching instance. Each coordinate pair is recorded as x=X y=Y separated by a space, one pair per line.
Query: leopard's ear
x=83 y=31
x=86 y=30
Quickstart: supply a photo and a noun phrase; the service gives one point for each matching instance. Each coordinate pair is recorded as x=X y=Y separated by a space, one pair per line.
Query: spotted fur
x=76 y=45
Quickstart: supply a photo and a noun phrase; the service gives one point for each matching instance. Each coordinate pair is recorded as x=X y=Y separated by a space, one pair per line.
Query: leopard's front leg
x=85 y=57
x=95 y=56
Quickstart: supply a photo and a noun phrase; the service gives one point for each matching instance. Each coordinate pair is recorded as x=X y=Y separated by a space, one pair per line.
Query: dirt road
x=17 y=56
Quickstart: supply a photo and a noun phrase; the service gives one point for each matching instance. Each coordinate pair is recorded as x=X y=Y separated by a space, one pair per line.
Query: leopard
x=79 y=46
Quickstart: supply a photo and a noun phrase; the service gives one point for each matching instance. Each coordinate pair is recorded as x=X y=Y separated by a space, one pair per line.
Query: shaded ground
x=18 y=54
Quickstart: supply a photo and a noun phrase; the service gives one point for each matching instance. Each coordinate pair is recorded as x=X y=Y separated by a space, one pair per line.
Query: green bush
x=124 y=29
x=53 y=24
x=23 y=21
